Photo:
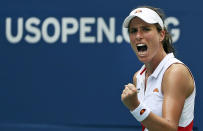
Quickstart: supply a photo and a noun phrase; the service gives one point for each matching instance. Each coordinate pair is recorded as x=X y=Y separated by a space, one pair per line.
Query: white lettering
x=86 y=29
x=14 y=39
x=50 y=21
x=32 y=29
x=175 y=32
x=68 y=30
x=91 y=30
x=101 y=27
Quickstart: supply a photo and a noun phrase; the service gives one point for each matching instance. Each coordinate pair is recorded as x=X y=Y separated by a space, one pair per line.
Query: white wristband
x=141 y=112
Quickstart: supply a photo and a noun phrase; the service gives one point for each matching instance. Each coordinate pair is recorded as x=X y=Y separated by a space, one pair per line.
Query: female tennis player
x=162 y=94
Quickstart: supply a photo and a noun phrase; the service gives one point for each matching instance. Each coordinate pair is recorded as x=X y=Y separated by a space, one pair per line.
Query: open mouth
x=141 y=47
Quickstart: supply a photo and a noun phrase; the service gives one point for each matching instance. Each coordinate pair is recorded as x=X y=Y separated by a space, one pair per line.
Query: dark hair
x=167 y=42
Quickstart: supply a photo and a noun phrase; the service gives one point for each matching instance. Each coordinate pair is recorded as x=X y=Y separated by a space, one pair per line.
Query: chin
x=144 y=59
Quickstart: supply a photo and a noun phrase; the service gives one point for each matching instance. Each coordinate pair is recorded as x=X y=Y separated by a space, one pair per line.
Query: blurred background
x=64 y=63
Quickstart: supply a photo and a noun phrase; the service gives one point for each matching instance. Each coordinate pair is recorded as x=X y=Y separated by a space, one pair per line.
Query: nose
x=139 y=35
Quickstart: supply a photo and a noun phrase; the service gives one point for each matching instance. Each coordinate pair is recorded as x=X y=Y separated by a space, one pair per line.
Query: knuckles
x=129 y=91
x=129 y=95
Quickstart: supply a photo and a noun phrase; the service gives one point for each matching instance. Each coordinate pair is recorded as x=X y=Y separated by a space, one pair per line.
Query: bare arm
x=177 y=85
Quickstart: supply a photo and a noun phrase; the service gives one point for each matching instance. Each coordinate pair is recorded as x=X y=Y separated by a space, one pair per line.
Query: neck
x=151 y=66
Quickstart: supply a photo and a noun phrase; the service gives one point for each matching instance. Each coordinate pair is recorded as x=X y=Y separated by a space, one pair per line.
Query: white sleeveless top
x=152 y=97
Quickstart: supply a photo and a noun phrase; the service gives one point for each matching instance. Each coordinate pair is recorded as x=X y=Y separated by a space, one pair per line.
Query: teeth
x=141 y=45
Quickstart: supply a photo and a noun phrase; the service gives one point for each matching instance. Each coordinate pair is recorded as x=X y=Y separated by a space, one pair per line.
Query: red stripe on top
x=142 y=127
x=187 y=128
x=143 y=71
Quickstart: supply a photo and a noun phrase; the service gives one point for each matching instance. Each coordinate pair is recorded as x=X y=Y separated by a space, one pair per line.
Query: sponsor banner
x=87 y=30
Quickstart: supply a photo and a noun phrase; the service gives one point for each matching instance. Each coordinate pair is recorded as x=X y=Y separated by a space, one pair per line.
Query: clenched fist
x=129 y=97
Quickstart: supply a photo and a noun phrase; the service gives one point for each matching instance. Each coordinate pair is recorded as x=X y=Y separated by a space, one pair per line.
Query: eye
x=146 y=29
x=132 y=30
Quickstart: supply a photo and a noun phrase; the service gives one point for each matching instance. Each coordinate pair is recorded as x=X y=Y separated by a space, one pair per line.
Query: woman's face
x=145 y=40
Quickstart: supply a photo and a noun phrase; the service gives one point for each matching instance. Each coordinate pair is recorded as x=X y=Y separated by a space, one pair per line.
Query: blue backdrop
x=64 y=63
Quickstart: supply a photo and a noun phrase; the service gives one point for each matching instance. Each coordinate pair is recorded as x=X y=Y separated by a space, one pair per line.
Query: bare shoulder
x=178 y=78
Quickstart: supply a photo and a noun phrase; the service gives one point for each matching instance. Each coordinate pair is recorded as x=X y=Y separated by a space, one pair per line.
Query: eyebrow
x=144 y=26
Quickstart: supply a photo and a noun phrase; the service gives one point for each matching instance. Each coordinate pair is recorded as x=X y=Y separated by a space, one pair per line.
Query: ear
x=162 y=35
